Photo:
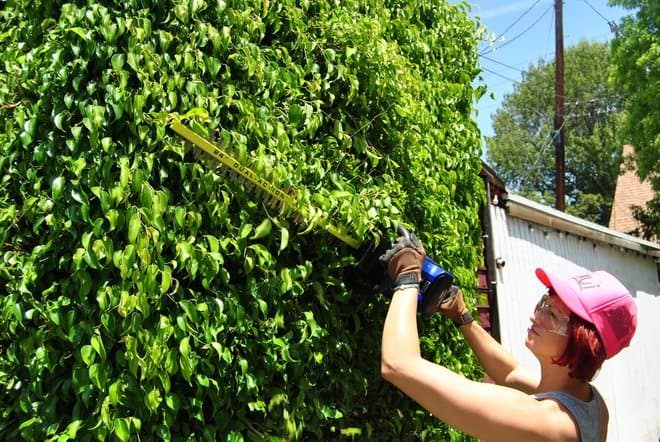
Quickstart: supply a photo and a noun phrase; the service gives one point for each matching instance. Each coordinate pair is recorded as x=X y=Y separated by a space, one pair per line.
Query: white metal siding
x=630 y=381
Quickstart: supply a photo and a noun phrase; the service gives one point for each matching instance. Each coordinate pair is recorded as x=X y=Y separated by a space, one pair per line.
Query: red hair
x=585 y=352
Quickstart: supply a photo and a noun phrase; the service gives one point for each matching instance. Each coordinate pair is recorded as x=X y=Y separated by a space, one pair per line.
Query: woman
x=576 y=325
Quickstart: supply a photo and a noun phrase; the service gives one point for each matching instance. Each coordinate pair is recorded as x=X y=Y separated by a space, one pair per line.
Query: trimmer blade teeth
x=197 y=154
x=284 y=199
x=265 y=203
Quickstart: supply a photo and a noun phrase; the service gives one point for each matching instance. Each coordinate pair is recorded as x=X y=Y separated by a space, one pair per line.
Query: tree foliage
x=145 y=294
x=522 y=150
x=635 y=56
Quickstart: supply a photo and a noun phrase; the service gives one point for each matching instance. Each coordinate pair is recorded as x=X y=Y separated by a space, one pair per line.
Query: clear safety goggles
x=551 y=319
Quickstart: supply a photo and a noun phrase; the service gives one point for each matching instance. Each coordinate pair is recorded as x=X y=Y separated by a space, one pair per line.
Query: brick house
x=630 y=191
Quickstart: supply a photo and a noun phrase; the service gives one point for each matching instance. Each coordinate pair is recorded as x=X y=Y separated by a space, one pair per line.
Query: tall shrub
x=145 y=294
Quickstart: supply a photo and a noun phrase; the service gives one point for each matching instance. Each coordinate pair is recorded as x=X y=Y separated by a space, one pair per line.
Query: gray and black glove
x=404 y=259
x=454 y=308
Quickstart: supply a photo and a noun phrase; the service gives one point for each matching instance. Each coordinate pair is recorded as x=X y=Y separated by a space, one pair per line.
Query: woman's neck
x=556 y=378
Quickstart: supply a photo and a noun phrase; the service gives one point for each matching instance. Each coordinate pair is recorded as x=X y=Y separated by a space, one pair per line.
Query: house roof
x=529 y=210
x=630 y=191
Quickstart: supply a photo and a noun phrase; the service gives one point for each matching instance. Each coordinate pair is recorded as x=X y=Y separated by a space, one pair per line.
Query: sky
x=526 y=34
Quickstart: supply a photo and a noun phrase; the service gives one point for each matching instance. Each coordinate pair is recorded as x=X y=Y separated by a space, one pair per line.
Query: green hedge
x=144 y=294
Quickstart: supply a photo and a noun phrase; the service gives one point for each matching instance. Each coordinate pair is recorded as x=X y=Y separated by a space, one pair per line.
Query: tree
x=143 y=293
x=522 y=149
x=636 y=61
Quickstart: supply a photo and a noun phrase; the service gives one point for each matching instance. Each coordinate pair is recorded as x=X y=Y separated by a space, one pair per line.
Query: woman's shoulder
x=559 y=417
x=604 y=413
x=585 y=414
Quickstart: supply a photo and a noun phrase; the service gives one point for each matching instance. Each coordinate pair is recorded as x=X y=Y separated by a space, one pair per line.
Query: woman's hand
x=404 y=259
x=454 y=307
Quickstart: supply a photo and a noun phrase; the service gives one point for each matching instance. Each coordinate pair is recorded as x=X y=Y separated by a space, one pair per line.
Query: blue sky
x=527 y=35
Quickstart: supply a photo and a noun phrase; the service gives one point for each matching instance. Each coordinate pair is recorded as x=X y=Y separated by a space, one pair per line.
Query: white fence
x=531 y=236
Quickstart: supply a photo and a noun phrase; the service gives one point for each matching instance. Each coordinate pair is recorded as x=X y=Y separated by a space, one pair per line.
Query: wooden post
x=559 y=108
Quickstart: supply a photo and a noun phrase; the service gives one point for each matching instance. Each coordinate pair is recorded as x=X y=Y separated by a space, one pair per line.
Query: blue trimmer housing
x=434 y=279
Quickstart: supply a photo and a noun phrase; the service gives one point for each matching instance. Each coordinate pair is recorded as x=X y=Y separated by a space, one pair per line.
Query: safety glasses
x=550 y=318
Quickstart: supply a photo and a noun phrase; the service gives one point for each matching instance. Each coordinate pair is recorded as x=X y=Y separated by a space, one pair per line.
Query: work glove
x=440 y=291
x=404 y=259
x=453 y=307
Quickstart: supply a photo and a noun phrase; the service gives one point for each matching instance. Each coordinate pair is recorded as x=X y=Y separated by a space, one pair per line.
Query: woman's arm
x=400 y=339
x=500 y=365
x=486 y=411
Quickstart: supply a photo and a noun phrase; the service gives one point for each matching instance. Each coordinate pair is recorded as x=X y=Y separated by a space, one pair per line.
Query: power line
x=499 y=75
x=607 y=98
x=545 y=144
x=516 y=20
x=526 y=29
x=519 y=35
x=613 y=27
x=548 y=140
x=502 y=64
x=547 y=42
x=596 y=11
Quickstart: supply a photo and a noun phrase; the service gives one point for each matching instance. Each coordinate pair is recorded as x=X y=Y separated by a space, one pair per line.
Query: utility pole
x=558 y=135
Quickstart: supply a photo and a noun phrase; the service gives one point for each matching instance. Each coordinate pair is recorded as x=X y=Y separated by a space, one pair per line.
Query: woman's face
x=548 y=334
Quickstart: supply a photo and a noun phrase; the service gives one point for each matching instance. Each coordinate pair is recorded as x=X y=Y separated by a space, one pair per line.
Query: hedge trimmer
x=369 y=273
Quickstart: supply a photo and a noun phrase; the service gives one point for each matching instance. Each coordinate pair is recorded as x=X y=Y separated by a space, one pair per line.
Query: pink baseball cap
x=599 y=298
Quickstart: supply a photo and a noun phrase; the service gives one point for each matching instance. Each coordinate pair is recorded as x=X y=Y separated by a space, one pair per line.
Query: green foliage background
x=636 y=57
x=636 y=52
x=144 y=294
x=522 y=150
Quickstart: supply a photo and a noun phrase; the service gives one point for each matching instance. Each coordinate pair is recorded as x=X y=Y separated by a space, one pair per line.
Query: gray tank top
x=585 y=414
